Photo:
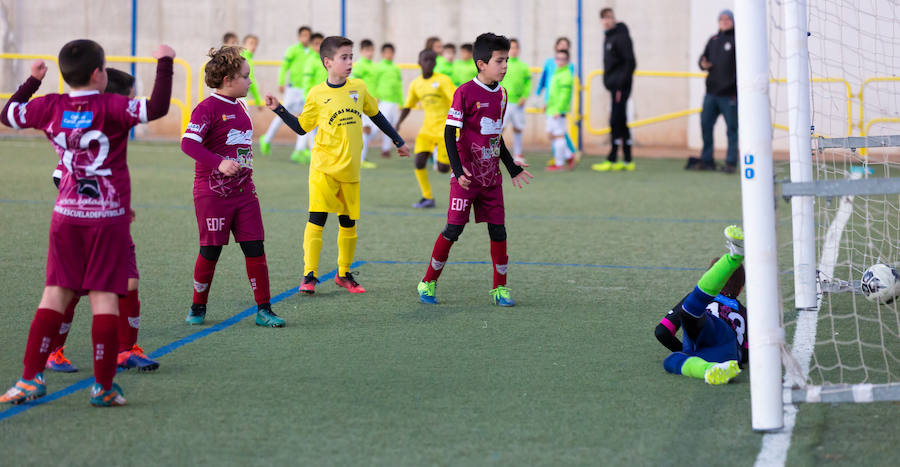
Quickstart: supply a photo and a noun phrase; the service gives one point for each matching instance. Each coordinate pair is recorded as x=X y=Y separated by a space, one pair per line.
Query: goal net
x=842 y=347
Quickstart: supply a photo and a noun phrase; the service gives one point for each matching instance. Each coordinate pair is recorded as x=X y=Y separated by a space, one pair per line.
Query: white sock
x=560 y=151
x=365 y=148
x=517 y=143
x=300 y=144
x=273 y=128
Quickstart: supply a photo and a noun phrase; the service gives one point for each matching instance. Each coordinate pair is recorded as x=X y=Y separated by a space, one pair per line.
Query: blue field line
x=541 y=263
x=436 y=214
x=166 y=349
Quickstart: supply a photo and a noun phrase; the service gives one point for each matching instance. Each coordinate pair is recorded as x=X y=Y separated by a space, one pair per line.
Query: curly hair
x=223 y=63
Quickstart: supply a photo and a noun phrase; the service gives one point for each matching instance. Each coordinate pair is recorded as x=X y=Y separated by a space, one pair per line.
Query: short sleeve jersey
x=435 y=94
x=89 y=131
x=477 y=110
x=337 y=112
x=223 y=126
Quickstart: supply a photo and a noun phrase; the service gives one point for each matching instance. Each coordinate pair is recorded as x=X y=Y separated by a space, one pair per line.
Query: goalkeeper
x=714 y=321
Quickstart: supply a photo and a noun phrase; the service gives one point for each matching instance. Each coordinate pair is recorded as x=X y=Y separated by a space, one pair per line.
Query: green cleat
x=296 y=156
x=500 y=296
x=426 y=292
x=722 y=373
x=25 y=390
x=604 y=166
x=196 y=314
x=265 y=148
x=113 y=398
x=734 y=240
x=305 y=156
x=267 y=318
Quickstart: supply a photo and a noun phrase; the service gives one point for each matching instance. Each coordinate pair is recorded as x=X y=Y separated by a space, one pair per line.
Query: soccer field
x=571 y=375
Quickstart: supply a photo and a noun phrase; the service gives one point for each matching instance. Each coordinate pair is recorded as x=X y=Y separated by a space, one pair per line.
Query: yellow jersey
x=435 y=94
x=337 y=112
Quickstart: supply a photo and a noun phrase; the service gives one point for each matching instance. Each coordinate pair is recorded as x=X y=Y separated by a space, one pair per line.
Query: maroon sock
x=258 y=273
x=59 y=340
x=44 y=327
x=203 y=275
x=105 y=336
x=499 y=258
x=438 y=258
x=129 y=320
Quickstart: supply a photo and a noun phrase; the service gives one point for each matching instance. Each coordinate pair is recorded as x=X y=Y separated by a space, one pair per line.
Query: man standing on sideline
x=718 y=60
x=618 y=74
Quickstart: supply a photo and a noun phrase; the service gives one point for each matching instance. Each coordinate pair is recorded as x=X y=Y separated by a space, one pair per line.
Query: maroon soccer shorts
x=84 y=258
x=217 y=217
x=132 y=260
x=488 y=203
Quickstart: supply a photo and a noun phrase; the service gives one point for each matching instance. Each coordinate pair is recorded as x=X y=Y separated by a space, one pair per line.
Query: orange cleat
x=349 y=283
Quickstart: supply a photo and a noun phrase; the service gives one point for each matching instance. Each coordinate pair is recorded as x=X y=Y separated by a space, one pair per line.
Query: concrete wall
x=668 y=35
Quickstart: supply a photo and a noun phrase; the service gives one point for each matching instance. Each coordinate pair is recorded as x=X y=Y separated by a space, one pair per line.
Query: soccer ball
x=881 y=284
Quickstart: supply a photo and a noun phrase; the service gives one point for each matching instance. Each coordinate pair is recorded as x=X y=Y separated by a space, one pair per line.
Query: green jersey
x=314 y=72
x=364 y=69
x=294 y=63
x=517 y=81
x=442 y=65
x=463 y=71
x=388 y=82
x=559 y=99
x=254 y=89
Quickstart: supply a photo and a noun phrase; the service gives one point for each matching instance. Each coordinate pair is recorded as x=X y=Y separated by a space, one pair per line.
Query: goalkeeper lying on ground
x=714 y=322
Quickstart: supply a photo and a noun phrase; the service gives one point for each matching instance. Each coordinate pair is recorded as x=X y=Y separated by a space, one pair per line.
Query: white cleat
x=734 y=240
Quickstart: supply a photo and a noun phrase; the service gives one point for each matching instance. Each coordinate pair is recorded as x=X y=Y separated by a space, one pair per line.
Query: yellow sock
x=424 y=184
x=312 y=248
x=346 y=248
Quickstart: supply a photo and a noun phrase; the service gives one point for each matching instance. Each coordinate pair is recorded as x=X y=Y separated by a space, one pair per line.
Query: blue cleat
x=136 y=358
x=196 y=314
x=58 y=362
x=426 y=292
x=500 y=296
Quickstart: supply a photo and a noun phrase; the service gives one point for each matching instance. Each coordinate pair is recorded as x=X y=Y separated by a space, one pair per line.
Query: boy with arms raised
x=295 y=58
x=435 y=92
x=335 y=107
x=477 y=112
x=89 y=231
x=218 y=138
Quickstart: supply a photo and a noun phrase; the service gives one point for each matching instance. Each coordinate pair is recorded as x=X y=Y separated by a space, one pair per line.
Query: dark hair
x=304 y=28
x=429 y=43
x=486 y=44
x=78 y=59
x=467 y=47
x=513 y=39
x=366 y=44
x=735 y=283
x=251 y=36
x=330 y=46
x=450 y=46
x=560 y=39
x=563 y=51
x=223 y=63
x=316 y=35
x=606 y=11
x=229 y=36
x=118 y=82
x=387 y=45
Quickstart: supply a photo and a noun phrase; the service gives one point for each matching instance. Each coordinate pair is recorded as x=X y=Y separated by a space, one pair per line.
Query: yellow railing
x=46 y=58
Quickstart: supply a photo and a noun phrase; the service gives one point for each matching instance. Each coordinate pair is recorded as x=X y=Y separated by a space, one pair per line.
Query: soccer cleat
x=25 y=390
x=551 y=161
x=367 y=165
x=265 y=148
x=136 y=358
x=308 y=284
x=426 y=292
x=722 y=373
x=58 y=362
x=629 y=167
x=424 y=203
x=604 y=166
x=556 y=168
x=296 y=156
x=267 y=318
x=112 y=398
x=734 y=240
x=500 y=296
x=349 y=283
x=196 y=314
x=618 y=166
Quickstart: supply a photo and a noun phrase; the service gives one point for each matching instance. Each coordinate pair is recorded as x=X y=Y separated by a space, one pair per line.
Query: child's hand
x=464 y=180
x=131 y=215
x=163 y=50
x=272 y=102
x=403 y=151
x=229 y=168
x=524 y=176
x=38 y=70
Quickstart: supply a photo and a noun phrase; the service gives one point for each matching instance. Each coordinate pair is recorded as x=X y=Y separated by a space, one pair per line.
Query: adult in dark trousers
x=618 y=74
x=718 y=60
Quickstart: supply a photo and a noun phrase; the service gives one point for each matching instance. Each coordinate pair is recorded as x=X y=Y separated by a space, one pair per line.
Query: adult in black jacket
x=718 y=60
x=618 y=73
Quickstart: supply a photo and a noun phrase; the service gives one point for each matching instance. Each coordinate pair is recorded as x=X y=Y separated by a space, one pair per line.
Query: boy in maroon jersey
x=477 y=111
x=218 y=138
x=130 y=354
x=89 y=234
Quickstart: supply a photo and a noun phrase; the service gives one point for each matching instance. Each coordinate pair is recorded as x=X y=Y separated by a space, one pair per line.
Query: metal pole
x=757 y=199
x=580 y=68
x=344 y=18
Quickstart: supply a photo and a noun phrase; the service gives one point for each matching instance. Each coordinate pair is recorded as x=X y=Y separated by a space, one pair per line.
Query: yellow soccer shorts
x=426 y=143
x=327 y=194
